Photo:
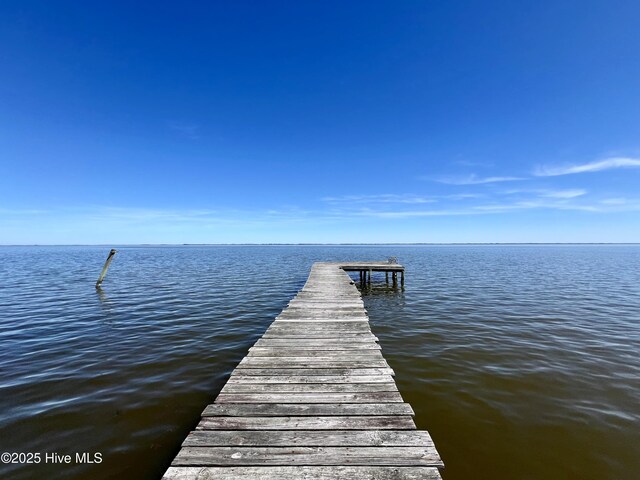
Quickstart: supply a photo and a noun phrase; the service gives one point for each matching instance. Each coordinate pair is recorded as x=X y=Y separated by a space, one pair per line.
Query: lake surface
x=522 y=361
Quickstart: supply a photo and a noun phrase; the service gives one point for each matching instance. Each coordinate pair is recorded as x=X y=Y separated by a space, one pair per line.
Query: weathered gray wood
x=244 y=371
x=324 y=307
x=310 y=438
x=308 y=362
x=382 y=422
x=322 y=312
x=320 y=315
x=294 y=455
x=315 y=331
x=332 y=326
x=302 y=335
x=343 y=305
x=328 y=379
x=107 y=262
x=318 y=294
x=302 y=473
x=321 y=356
x=318 y=342
x=305 y=409
x=320 y=319
x=315 y=352
x=308 y=387
x=323 y=397
x=355 y=327
x=319 y=322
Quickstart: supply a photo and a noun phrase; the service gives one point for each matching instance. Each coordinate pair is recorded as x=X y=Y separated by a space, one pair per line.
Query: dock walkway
x=313 y=399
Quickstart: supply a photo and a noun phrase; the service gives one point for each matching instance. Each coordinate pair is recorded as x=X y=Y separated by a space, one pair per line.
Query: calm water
x=522 y=361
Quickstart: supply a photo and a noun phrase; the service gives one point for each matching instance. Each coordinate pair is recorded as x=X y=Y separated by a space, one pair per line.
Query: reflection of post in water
x=104 y=300
x=107 y=306
x=105 y=268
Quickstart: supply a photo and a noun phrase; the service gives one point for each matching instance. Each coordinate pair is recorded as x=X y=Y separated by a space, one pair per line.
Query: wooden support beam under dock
x=313 y=399
x=367 y=268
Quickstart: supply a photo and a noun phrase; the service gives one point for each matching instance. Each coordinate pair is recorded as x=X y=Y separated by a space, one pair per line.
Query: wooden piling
x=107 y=263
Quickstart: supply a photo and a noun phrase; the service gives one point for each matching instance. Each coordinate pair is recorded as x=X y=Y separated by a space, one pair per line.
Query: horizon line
x=302 y=244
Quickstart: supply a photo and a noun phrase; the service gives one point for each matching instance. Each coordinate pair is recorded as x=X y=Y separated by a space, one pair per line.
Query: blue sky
x=223 y=122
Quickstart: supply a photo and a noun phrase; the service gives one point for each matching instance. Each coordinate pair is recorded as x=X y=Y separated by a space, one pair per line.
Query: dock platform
x=313 y=399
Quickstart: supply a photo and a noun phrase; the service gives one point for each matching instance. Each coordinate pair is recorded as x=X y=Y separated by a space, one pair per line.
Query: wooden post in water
x=402 y=278
x=386 y=277
x=395 y=279
x=106 y=267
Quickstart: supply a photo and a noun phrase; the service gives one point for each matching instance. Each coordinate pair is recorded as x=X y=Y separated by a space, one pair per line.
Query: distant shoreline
x=310 y=244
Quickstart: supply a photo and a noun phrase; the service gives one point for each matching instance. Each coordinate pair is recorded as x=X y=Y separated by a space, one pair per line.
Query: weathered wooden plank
x=326 y=379
x=323 y=397
x=306 y=342
x=315 y=345
x=305 y=409
x=302 y=473
x=307 y=362
x=325 y=361
x=310 y=438
x=242 y=371
x=301 y=334
x=290 y=353
x=314 y=352
x=321 y=322
x=336 y=314
x=324 y=304
x=308 y=292
x=233 y=387
x=322 y=312
x=318 y=331
x=356 y=327
x=347 y=292
x=320 y=319
x=321 y=356
x=381 y=422
x=294 y=455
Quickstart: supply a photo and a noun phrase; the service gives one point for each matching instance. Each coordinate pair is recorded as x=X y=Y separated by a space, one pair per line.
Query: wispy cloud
x=21 y=211
x=614 y=201
x=381 y=198
x=536 y=204
x=470 y=163
x=569 y=193
x=496 y=208
x=463 y=196
x=472 y=179
x=573 y=193
x=606 y=164
x=493 y=202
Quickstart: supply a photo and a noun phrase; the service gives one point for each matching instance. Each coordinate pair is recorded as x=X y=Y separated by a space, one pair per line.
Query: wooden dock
x=313 y=399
